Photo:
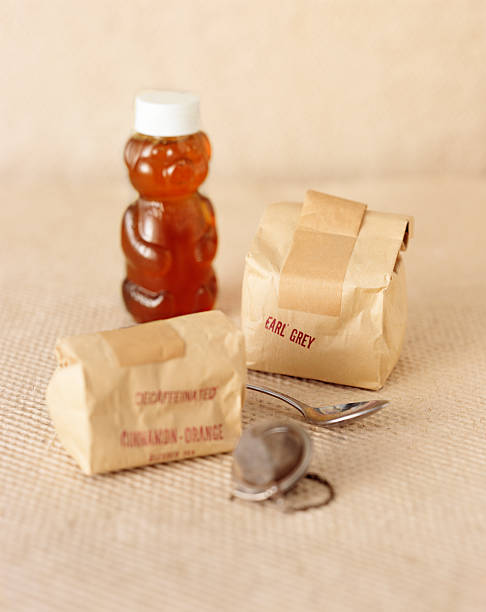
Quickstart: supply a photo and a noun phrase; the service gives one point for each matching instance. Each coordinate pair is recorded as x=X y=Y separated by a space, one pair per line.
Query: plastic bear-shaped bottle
x=169 y=233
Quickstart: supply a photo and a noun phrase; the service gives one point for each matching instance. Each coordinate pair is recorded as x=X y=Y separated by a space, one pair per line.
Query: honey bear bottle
x=169 y=233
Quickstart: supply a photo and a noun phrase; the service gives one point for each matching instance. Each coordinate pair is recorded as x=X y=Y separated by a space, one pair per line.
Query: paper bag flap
x=381 y=238
x=146 y=343
x=313 y=273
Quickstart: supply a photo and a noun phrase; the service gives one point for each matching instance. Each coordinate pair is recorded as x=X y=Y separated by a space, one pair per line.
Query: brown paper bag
x=324 y=291
x=151 y=393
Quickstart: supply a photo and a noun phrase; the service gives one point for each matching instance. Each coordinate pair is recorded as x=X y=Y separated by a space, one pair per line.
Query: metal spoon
x=326 y=416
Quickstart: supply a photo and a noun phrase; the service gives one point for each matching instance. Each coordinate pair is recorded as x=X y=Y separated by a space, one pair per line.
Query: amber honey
x=169 y=233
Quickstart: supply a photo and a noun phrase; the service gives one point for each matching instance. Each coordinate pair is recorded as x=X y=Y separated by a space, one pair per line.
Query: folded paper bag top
x=324 y=291
x=150 y=393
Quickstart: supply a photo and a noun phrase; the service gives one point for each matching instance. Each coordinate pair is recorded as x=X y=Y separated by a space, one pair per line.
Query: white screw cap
x=167 y=113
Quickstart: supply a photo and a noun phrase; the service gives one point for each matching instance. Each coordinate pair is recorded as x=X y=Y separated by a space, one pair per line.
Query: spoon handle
x=285 y=398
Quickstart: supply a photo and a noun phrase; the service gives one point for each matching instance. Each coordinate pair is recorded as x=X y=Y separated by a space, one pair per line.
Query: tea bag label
x=295 y=335
x=149 y=343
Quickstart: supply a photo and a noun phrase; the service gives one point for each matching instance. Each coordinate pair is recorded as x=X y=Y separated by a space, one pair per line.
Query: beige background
x=377 y=101
x=303 y=88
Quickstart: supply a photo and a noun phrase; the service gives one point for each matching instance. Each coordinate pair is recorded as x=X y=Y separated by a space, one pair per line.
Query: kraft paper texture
x=313 y=273
x=340 y=318
x=150 y=393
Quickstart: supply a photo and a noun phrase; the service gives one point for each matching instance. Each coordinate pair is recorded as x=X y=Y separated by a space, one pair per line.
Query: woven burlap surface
x=407 y=529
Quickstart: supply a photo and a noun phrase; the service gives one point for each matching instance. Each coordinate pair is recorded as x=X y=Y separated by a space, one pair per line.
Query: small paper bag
x=151 y=393
x=324 y=292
